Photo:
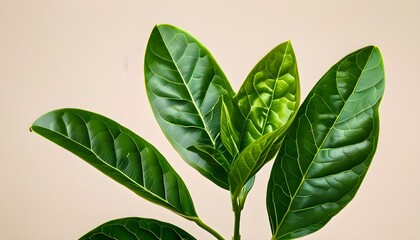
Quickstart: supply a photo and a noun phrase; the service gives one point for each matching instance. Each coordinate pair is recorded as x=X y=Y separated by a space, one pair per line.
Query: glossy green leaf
x=252 y=159
x=329 y=147
x=269 y=95
x=231 y=126
x=120 y=154
x=185 y=87
x=137 y=229
x=259 y=115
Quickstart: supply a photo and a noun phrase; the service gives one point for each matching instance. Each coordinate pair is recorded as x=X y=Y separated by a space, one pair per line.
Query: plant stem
x=208 y=228
x=236 y=233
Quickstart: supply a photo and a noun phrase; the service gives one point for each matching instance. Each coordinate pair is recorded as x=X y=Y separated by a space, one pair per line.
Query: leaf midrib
x=320 y=147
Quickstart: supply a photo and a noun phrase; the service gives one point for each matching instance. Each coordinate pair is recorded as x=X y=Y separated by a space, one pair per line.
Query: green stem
x=207 y=228
x=236 y=206
x=236 y=233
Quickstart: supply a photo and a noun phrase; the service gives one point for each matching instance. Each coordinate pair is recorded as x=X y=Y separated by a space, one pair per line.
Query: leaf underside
x=328 y=148
x=185 y=87
x=135 y=228
x=118 y=153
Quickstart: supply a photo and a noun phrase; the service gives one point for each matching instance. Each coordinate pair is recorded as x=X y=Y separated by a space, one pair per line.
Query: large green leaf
x=259 y=115
x=137 y=229
x=329 y=147
x=119 y=153
x=185 y=87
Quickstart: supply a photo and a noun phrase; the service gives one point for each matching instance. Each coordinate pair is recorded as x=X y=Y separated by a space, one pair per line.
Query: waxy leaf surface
x=119 y=153
x=259 y=115
x=185 y=87
x=137 y=229
x=328 y=148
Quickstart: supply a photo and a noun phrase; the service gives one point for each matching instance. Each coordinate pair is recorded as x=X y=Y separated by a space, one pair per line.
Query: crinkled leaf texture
x=257 y=118
x=328 y=148
x=185 y=87
x=137 y=229
x=118 y=153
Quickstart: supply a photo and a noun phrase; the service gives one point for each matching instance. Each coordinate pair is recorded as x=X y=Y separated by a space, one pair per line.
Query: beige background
x=89 y=54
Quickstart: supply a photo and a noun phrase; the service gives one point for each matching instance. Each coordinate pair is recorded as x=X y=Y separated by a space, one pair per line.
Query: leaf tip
x=373 y=48
x=376 y=48
x=164 y=25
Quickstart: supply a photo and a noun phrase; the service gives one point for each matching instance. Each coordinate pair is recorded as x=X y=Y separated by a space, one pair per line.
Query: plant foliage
x=324 y=147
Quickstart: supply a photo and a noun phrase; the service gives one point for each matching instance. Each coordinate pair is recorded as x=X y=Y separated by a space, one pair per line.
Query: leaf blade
x=267 y=103
x=328 y=148
x=134 y=228
x=118 y=153
x=185 y=86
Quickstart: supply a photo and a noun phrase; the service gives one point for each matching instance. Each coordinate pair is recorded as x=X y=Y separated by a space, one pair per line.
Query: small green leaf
x=231 y=126
x=329 y=147
x=259 y=115
x=252 y=159
x=185 y=87
x=118 y=153
x=134 y=228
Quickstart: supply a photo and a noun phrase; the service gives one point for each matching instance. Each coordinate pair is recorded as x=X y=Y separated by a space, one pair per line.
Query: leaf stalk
x=208 y=228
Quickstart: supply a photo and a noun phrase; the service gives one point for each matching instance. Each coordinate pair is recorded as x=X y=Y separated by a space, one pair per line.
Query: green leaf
x=231 y=126
x=134 y=228
x=269 y=95
x=252 y=159
x=118 y=153
x=329 y=147
x=185 y=86
x=259 y=115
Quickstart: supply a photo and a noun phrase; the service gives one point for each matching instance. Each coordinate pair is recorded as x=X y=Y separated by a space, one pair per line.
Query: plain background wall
x=89 y=54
